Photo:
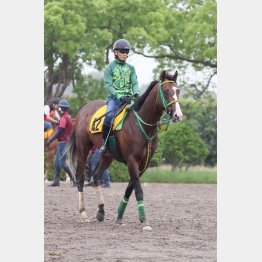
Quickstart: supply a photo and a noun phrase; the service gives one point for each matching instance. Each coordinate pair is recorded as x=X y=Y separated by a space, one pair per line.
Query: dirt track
x=183 y=218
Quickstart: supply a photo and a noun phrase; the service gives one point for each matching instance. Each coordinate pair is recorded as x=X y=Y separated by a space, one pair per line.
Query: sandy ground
x=183 y=218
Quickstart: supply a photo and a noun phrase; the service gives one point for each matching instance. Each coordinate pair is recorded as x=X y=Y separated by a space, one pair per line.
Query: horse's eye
x=165 y=92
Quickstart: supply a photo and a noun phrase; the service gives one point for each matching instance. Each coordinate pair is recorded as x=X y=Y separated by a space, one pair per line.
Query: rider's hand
x=125 y=99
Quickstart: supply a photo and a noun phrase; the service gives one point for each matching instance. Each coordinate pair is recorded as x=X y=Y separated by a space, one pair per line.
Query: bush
x=50 y=175
x=157 y=158
x=183 y=147
x=118 y=172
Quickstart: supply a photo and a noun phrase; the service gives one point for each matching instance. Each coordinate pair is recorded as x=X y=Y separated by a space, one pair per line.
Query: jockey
x=121 y=83
x=62 y=135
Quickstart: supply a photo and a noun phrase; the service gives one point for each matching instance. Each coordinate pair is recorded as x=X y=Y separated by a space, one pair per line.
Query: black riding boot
x=105 y=132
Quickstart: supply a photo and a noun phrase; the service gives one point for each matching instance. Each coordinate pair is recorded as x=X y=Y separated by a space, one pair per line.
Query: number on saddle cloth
x=98 y=118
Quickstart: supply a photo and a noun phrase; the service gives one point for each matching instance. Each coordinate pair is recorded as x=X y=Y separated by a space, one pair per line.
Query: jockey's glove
x=125 y=99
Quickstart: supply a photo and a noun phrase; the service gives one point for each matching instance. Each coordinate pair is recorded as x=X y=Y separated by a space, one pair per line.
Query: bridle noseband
x=162 y=93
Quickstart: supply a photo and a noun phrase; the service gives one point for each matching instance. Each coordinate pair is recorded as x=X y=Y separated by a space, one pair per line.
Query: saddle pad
x=96 y=125
x=48 y=133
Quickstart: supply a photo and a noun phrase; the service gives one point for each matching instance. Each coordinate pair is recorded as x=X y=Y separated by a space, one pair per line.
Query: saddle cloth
x=97 y=121
x=48 y=133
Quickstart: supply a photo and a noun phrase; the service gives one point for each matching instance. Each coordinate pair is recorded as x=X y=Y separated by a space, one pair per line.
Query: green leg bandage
x=122 y=207
x=141 y=210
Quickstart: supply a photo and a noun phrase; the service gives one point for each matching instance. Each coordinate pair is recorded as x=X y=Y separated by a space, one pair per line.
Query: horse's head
x=169 y=94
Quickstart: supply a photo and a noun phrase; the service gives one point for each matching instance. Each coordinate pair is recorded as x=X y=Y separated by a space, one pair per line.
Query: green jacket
x=120 y=79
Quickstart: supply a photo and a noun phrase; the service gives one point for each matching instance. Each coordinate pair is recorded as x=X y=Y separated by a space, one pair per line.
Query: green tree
x=202 y=114
x=183 y=35
x=87 y=88
x=183 y=147
x=71 y=40
x=176 y=33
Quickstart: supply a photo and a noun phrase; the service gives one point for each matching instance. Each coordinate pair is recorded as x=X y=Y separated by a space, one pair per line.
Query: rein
x=140 y=121
x=166 y=105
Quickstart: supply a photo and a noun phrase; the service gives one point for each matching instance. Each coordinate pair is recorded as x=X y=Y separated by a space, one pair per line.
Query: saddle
x=98 y=118
x=96 y=125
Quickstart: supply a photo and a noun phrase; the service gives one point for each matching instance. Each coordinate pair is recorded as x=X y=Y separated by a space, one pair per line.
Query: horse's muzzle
x=177 y=118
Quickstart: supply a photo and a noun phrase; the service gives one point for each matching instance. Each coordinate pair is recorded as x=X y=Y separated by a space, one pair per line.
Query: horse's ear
x=175 y=76
x=163 y=75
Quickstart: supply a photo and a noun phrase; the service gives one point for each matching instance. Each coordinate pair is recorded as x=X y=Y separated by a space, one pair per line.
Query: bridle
x=168 y=114
x=168 y=111
x=162 y=94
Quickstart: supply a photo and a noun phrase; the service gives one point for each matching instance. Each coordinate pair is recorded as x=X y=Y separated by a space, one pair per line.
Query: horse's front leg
x=122 y=206
x=134 y=175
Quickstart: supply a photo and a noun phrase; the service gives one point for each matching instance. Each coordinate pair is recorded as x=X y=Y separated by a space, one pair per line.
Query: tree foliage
x=87 y=88
x=183 y=147
x=179 y=34
x=176 y=33
x=202 y=114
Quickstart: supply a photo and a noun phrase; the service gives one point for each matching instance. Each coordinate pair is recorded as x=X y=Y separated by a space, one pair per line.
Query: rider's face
x=121 y=56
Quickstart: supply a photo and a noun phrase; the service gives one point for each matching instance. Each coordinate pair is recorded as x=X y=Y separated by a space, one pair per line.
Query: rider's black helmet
x=121 y=44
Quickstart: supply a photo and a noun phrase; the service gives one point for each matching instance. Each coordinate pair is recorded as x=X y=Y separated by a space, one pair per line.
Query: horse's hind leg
x=101 y=167
x=122 y=206
x=80 y=176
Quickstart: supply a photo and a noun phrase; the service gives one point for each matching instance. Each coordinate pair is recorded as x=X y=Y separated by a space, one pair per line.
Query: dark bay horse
x=136 y=141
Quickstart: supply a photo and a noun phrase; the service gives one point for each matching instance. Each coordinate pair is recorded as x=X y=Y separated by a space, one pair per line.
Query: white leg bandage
x=99 y=195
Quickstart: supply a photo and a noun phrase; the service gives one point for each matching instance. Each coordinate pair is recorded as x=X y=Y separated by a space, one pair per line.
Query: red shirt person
x=62 y=135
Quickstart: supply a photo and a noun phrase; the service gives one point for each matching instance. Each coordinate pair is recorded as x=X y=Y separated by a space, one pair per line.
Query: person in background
x=92 y=161
x=51 y=116
x=121 y=84
x=47 y=123
x=54 y=115
x=62 y=135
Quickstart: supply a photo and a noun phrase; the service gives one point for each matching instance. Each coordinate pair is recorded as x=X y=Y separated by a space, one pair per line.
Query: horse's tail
x=71 y=155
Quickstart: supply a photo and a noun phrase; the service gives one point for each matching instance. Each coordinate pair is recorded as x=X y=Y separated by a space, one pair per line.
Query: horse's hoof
x=85 y=219
x=146 y=226
x=119 y=222
x=100 y=216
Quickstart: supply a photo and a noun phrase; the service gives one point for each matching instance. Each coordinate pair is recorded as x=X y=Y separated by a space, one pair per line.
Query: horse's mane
x=140 y=100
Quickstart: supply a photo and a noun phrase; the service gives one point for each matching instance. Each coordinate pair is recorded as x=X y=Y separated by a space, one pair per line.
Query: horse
x=137 y=142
